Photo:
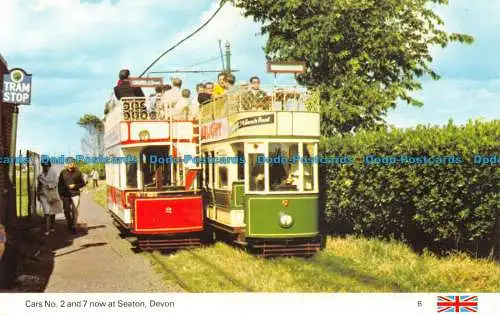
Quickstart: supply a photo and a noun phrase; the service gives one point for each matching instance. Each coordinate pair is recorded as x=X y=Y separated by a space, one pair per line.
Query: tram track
x=225 y=274
x=176 y=277
x=171 y=272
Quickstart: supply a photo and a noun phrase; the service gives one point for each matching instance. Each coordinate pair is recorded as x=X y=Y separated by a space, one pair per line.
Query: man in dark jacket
x=70 y=182
x=124 y=89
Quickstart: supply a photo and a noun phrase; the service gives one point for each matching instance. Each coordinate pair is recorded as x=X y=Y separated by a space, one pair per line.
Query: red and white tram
x=158 y=198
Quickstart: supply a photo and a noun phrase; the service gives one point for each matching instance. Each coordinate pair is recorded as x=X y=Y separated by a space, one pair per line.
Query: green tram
x=261 y=189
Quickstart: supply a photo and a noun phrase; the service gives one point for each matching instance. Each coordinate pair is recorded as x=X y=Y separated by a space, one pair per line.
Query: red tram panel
x=168 y=215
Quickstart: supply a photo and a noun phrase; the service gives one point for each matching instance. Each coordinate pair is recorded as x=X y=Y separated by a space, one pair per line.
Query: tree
x=93 y=140
x=362 y=56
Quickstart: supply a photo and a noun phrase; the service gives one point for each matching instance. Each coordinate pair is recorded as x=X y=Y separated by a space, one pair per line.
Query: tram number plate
x=168 y=210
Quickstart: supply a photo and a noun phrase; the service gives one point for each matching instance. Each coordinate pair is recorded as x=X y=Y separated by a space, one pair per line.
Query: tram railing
x=276 y=99
x=240 y=99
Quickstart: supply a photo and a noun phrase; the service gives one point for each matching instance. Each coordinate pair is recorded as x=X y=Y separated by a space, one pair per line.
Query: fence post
x=20 y=185
x=28 y=188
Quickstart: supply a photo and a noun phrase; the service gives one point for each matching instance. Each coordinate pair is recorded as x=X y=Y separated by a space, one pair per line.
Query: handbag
x=51 y=195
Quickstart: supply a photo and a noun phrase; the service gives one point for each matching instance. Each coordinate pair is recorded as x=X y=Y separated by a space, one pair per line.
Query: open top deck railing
x=239 y=99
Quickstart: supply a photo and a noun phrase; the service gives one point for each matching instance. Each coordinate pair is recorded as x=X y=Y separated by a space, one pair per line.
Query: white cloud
x=457 y=99
x=75 y=50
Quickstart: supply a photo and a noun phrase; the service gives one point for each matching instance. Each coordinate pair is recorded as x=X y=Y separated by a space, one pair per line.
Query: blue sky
x=74 y=49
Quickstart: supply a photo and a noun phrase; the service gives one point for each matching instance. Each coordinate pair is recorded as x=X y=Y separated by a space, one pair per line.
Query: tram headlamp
x=286 y=220
x=144 y=135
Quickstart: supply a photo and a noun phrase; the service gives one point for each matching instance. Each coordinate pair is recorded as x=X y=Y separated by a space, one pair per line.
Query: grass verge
x=346 y=265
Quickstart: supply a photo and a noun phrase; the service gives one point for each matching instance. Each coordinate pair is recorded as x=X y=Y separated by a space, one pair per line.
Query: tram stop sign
x=17 y=87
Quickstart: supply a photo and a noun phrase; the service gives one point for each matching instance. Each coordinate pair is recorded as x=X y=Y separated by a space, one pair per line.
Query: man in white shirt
x=171 y=97
x=182 y=107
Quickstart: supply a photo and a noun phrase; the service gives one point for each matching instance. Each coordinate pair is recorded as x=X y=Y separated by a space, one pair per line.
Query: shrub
x=440 y=207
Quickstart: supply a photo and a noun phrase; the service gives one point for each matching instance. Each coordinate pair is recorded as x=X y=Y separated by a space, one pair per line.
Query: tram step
x=151 y=244
x=284 y=246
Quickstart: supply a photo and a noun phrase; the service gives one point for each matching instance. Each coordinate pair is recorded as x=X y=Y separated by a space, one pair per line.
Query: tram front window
x=257 y=177
x=155 y=174
x=283 y=175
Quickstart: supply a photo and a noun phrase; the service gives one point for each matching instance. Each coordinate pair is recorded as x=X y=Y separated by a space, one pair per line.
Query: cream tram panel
x=284 y=125
x=124 y=132
x=157 y=130
x=264 y=124
x=182 y=130
x=306 y=124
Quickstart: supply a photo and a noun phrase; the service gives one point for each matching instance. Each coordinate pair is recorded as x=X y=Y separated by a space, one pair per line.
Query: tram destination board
x=253 y=121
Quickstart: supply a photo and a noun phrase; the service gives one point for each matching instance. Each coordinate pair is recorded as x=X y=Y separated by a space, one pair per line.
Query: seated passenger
x=124 y=88
x=231 y=80
x=195 y=104
x=233 y=94
x=154 y=99
x=206 y=96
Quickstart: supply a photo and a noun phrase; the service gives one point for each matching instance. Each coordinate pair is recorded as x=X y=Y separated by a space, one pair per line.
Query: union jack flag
x=457 y=303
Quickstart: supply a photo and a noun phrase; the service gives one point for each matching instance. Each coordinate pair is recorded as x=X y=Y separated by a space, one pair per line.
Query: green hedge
x=439 y=207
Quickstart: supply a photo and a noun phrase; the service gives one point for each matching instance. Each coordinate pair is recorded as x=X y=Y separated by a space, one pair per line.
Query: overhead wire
x=185 y=38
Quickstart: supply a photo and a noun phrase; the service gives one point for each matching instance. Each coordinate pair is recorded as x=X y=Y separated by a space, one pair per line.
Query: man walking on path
x=70 y=182
x=95 y=178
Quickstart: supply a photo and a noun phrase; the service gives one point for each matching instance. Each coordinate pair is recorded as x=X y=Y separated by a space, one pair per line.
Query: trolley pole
x=228 y=57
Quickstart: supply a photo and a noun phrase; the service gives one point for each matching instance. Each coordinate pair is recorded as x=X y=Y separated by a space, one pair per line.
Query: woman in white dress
x=48 y=195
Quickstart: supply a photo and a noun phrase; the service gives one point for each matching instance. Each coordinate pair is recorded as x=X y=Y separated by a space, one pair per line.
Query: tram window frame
x=212 y=170
x=240 y=168
x=238 y=150
x=131 y=170
x=167 y=172
x=288 y=170
x=220 y=183
x=206 y=171
x=252 y=166
x=309 y=166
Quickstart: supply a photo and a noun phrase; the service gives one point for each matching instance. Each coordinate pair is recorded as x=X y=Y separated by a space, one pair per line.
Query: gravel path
x=101 y=261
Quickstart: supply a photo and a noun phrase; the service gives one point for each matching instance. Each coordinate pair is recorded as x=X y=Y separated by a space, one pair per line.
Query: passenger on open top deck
x=153 y=100
x=124 y=88
x=221 y=86
x=181 y=109
x=171 y=97
x=205 y=96
x=255 y=98
x=195 y=103
x=231 y=80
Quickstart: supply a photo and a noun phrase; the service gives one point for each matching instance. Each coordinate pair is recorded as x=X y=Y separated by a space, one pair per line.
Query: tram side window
x=257 y=175
x=240 y=154
x=212 y=165
x=308 y=149
x=131 y=179
x=222 y=182
x=241 y=166
x=283 y=174
x=207 y=170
